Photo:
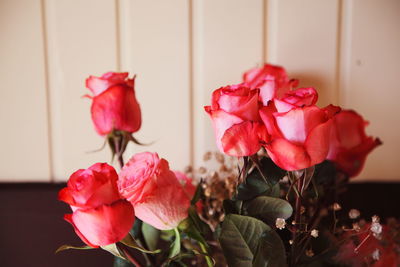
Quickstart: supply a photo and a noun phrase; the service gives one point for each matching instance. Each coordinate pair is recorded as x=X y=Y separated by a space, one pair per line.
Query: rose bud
x=159 y=199
x=100 y=216
x=114 y=105
x=299 y=138
x=272 y=81
x=237 y=124
x=350 y=145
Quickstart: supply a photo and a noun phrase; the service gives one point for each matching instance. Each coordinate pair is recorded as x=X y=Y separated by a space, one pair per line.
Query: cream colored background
x=181 y=51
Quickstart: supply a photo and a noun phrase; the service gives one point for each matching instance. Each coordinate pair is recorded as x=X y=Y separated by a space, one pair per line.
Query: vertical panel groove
x=191 y=85
x=117 y=36
x=47 y=85
x=264 y=31
x=338 y=53
x=345 y=44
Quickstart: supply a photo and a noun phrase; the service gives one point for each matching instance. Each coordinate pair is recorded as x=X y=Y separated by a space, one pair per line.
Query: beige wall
x=182 y=50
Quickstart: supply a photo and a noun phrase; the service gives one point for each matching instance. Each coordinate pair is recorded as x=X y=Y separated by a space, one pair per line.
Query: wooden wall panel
x=227 y=40
x=370 y=73
x=81 y=41
x=302 y=37
x=155 y=46
x=181 y=51
x=23 y=111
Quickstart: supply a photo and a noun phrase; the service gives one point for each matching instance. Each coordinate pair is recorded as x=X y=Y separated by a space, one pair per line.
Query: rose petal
x=99 y=84
x=287 y=155
x=165 y=209
x=104 y=225
x=317 y=143
x=241 y=139
x=296 y=124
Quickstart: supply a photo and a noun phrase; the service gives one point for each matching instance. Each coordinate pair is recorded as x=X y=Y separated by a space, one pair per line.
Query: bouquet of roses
x=276 y=207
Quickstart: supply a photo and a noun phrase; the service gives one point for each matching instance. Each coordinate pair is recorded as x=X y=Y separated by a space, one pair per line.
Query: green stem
x=204 y=250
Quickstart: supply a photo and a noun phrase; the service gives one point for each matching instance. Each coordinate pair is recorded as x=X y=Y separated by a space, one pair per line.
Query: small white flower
x=376 y=254
x=375 y=219
x=314 y=233
x=354 y=214
x=280 y=223
x=309 y=253
x=356 y=227
x=336 y=206
x=376 y=228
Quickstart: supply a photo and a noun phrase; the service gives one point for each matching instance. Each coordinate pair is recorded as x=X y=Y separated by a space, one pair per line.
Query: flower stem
x=118 y=140
x=128 y=255
x=297 y=220
x=204 y=250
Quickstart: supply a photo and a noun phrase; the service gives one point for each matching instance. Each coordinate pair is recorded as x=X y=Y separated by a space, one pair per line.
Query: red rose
x=272 y=81
x=100 y=217
x=114 y=105
x=298 y=138
x=234 y=113
x=159 y=199
x=349 y=144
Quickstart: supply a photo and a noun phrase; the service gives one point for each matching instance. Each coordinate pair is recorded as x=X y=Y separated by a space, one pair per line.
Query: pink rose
x=159 y=199
x=298 y=138
x=114 y=105
x=100 y=216
x=296 y=98
x=237 y=124
x=350 y=145
x=272 y=81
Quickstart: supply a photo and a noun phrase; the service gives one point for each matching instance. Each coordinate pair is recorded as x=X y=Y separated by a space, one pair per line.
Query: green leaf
x=65 y=247
x=130 y=242
x=203 y=227
x=255 y=186
x=151 y=236
x=270 y=251
x=271 y=170
x=239 y=239
x=197 y=194
x=176 y=246
x=269 y=209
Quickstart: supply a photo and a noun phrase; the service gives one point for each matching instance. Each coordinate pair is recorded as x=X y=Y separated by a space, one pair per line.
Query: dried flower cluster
x=219 y=183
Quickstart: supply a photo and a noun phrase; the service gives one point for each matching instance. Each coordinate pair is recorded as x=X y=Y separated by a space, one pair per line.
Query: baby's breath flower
x=376 y=254
x=356 y=227
x=280 y=223
x=375 y=219
x=314 y=233
x=309 y=253
x=336 y=206
x=354 y=214
x=376 y=229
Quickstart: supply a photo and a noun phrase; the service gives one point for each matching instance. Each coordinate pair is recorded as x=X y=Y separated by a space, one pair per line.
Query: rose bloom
x=350 y=145
x=100 y=216
x=114 y=105
x=158 y=197
x=271 y=80
x=236 y=122
x=296 y=98
x=298 y=138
